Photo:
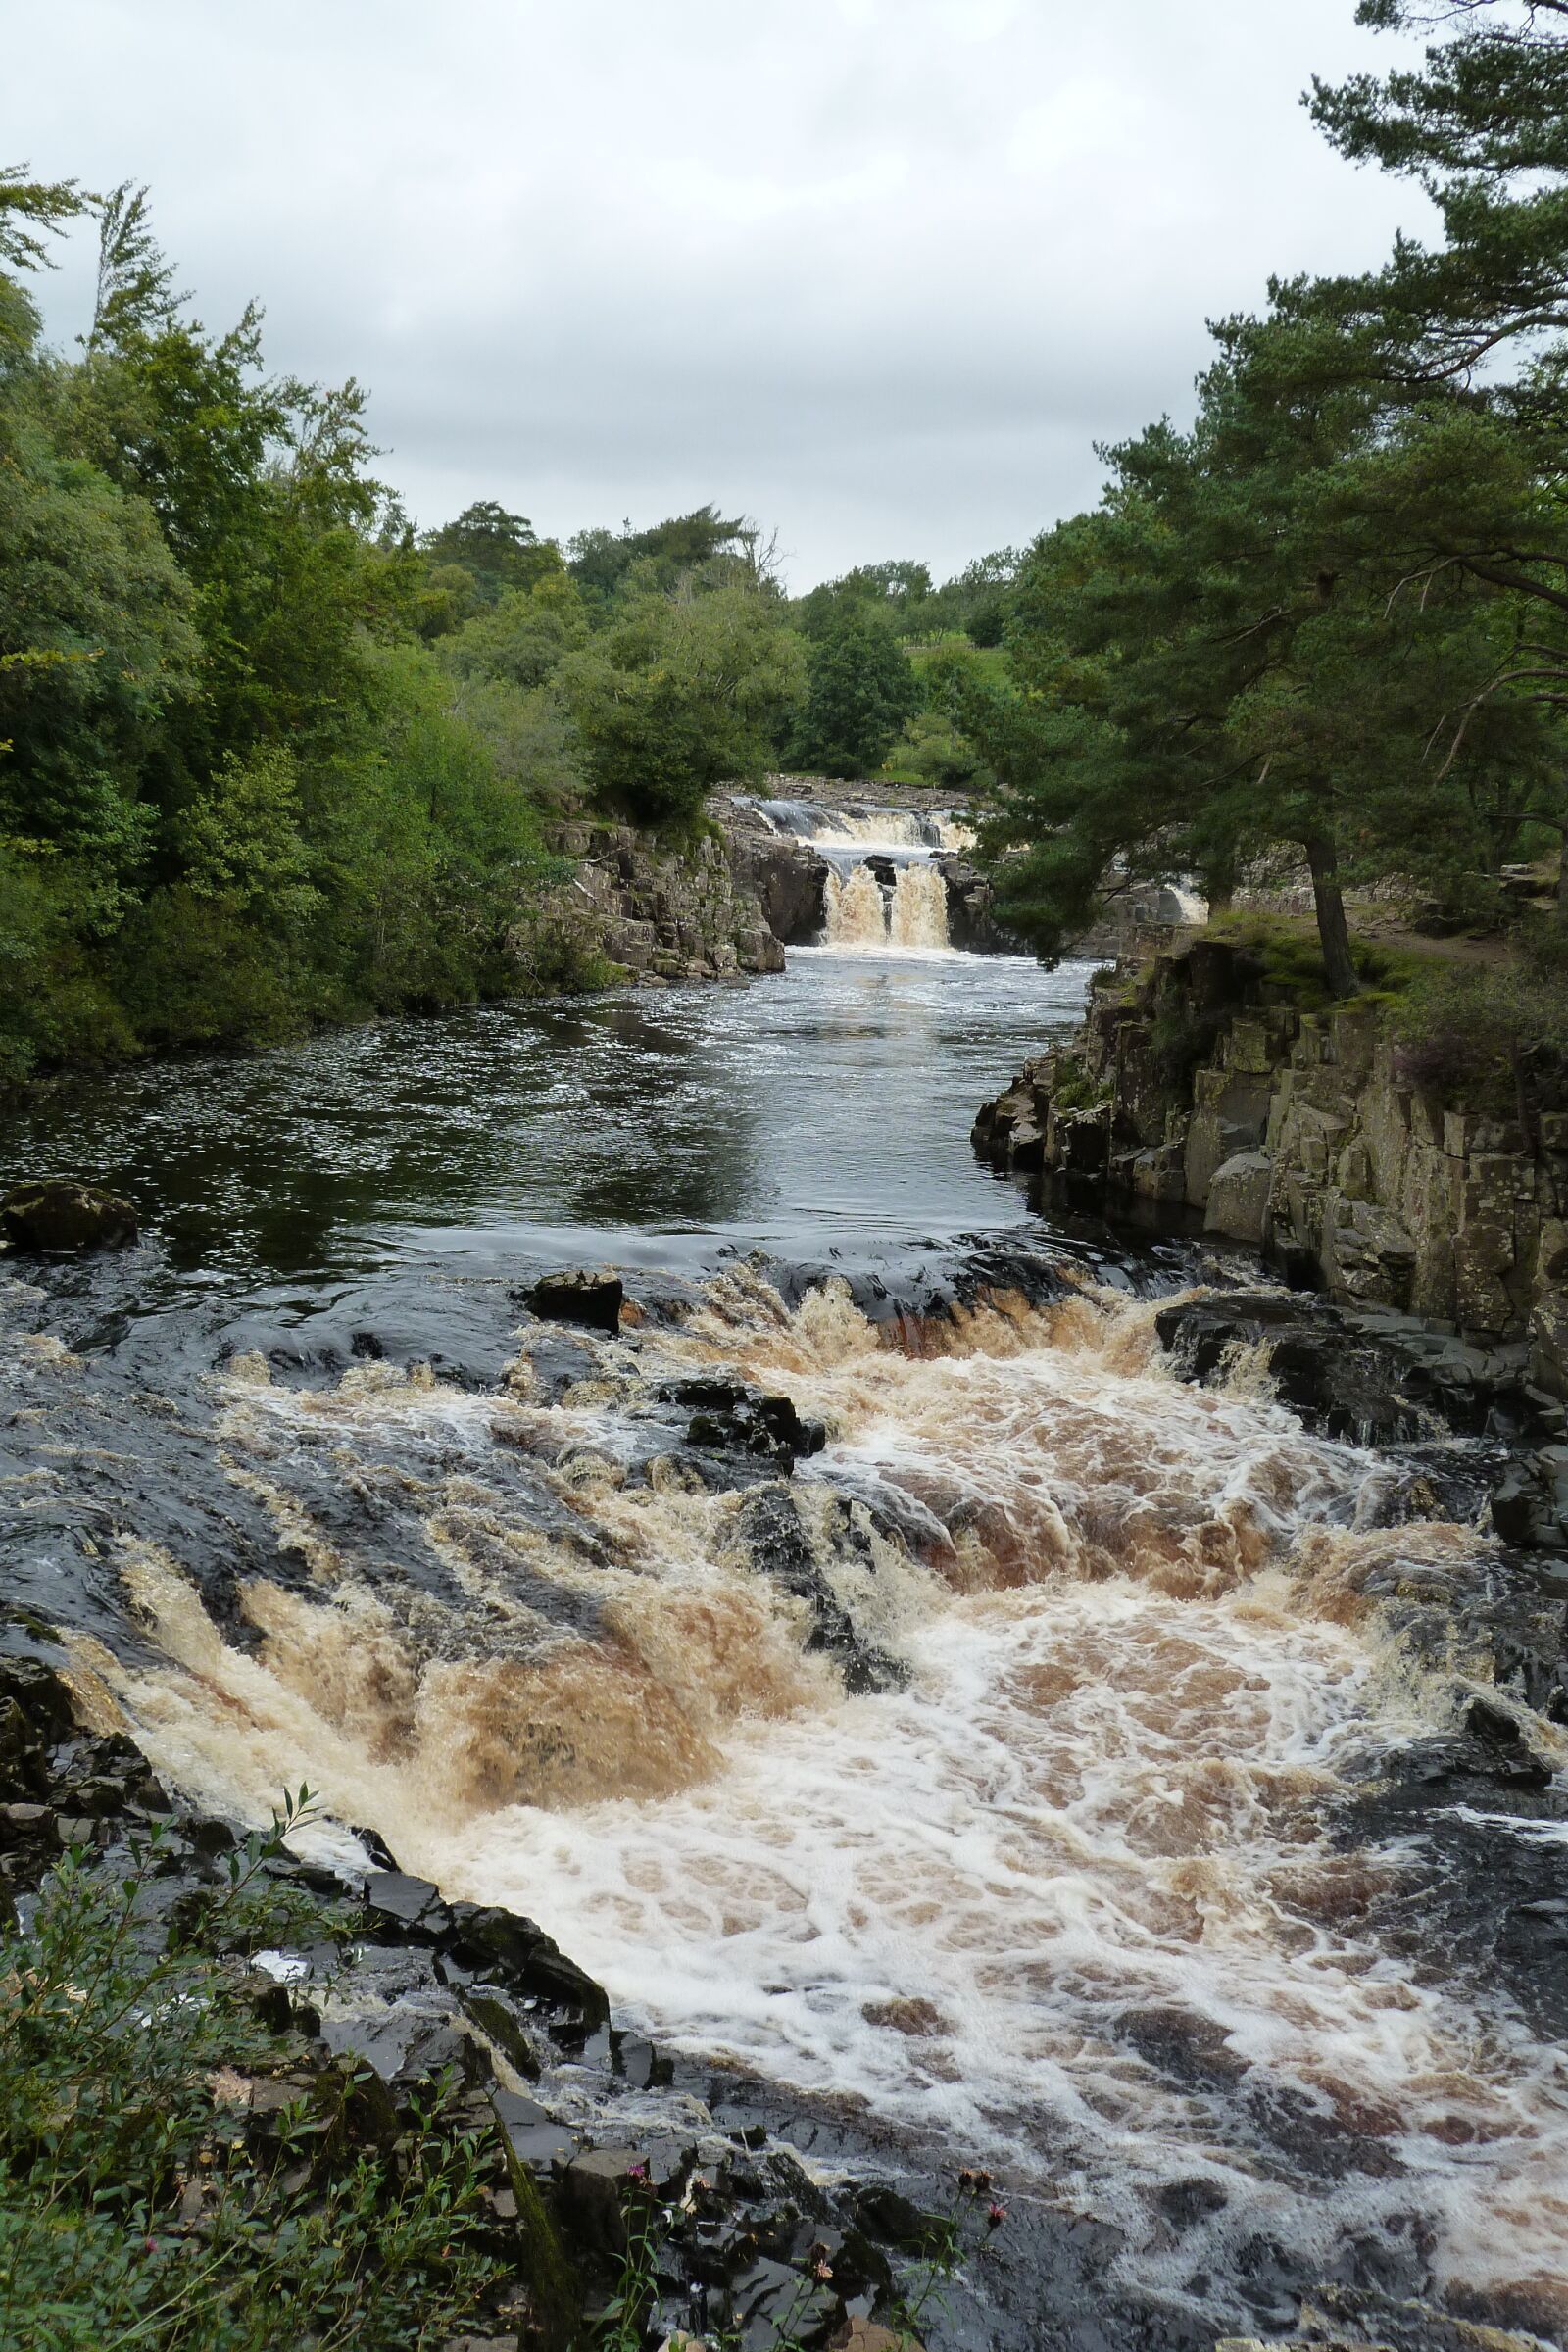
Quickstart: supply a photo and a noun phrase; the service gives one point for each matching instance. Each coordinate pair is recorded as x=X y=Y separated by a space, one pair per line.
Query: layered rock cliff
x=1301 y=1134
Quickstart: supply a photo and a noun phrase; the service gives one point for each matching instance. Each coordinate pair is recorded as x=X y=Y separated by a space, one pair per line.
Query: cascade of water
x=855 y=909
x=917 y=916
x=1065 y=1885
x=891 y=895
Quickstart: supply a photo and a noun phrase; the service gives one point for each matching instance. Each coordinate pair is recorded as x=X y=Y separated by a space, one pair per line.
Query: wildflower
x=822 y=2269
x=995 y=2215
x=637 y=2172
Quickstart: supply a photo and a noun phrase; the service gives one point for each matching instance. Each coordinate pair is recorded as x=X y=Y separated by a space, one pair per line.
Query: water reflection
x=829 y=1107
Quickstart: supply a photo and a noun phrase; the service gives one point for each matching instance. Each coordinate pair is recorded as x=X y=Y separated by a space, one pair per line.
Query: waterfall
x=855 y=909
x=883 y=892
x=869 y=914
x=917 y=912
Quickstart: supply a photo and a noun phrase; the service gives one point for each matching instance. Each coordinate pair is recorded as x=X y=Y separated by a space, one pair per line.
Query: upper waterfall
x=883 y=892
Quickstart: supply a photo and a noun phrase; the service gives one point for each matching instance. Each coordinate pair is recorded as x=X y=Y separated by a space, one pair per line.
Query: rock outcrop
x=1300 y=1134
x=668 y=914
x=787 y=878
x=972 y=922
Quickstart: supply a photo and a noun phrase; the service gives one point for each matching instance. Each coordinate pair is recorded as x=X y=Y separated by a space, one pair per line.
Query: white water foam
x=1068 y=1900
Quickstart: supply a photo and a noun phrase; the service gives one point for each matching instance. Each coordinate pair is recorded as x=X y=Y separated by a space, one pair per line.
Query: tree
x=26 y=208
x=860 y=689
x=496 y=548
x=134 y=294
x=523 y=637
x=705 y=548
x=680 y=694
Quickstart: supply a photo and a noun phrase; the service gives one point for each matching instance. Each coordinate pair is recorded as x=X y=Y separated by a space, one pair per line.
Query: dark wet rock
x=770 y=1527
x=886 y=2213
x=56 y=1216
x=1376 y=1376
x=536 y=2138
x=726 y=1414
x=771 y=2304
x=524 y=1957
x=972 y=923
x=639 y=2063
x=503 y=2023
x=1503 y=1740
x=579 y=1296
x=393 y=1898
x=1530 y=1503
x=595 y=2192
x=789 y=878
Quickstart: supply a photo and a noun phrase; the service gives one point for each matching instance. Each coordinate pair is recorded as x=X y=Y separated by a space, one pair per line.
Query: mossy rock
x=58 y=1216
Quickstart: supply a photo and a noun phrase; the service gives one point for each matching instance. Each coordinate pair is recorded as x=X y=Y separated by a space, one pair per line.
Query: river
x=989 y=1773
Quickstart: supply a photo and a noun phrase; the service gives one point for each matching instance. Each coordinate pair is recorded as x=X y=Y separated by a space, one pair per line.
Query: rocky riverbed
x=980 y=1696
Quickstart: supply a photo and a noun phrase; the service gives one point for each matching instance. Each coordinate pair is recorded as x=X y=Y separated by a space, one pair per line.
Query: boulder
x=1239 y=1197
x=57 y=1215
x=579 y=1296
x=725 y=1414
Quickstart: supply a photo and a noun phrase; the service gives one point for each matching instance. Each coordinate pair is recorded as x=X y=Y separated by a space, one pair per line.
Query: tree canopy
x=1331 y=614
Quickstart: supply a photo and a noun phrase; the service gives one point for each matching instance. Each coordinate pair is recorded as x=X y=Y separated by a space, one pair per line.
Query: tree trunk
x=1333 y=931
x=1219 y=886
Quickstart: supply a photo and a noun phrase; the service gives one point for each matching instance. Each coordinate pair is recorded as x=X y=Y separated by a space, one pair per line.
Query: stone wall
x=1298 y=1134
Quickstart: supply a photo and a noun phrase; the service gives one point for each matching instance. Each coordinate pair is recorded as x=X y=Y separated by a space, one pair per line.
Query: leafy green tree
x=680 y=694
x=860 y=689
x=30 y=211
x=497 y=550
x=705 y=546
x=84 y=573
x=523 y=637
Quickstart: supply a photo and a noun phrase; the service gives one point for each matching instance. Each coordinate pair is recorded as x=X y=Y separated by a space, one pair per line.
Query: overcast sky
x=875 y=272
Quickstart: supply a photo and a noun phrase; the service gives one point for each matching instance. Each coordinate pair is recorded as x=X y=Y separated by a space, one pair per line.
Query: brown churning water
x=1071 y=1896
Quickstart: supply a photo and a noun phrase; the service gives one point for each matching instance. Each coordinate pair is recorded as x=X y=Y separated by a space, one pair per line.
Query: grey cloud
x=877 y=270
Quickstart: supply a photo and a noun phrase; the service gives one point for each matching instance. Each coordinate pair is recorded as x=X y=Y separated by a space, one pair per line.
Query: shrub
x=132 y=2213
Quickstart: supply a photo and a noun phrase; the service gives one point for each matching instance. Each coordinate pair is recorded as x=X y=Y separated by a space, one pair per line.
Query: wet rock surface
x=1378 y=1377
x=598 y=2119
x=579 y=1296
x=59 y=1216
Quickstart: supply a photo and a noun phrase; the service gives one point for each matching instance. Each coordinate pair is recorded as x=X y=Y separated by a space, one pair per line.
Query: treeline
x=269 y=755
x=1333 y=613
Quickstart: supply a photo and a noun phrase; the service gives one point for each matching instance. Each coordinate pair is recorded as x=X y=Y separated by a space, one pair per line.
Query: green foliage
x=132 y=2209
x=236 y=796
x=860 y=689
x=1494 y=1038
x=1335 y=613
x=1073 y=1087
x=523 y=637
x=680 y=694
x=499 y=553
x=705 y=548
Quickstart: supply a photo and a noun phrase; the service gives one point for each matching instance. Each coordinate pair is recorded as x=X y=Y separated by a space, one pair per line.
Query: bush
x=132 y=2213
x=1493 y=1038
